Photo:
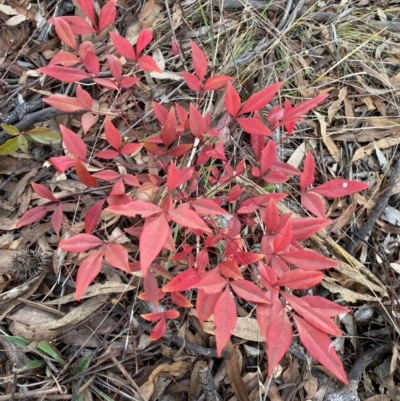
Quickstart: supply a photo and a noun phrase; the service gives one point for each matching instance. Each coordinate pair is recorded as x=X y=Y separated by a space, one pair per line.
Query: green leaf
x=83 y=364
x=10 y=129
x=49 y=350
x=22 y=143
x=36 y=363
x=16 y=340
x=43 y=135
x=9 y=146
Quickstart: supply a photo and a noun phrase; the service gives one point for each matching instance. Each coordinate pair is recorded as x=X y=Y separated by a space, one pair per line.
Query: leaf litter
x=354 y=131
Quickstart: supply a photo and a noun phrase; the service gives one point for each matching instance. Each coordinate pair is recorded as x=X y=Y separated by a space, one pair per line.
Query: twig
x=207 y=382
x=28 y=394
x=365 y=231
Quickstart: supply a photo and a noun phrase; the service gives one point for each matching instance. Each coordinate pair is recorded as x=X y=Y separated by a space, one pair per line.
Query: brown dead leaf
x=175 y=369
x=246 y=328
x=384 y=143
x=344 y=218
x=310 y=385
x=233 y=369
x=335 y=106
x=328 y=141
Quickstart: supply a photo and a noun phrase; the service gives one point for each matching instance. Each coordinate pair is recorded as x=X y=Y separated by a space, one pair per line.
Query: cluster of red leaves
x=281 y=268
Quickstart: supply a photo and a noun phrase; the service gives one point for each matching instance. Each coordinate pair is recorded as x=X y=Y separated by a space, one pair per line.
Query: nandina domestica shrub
x=201 y=206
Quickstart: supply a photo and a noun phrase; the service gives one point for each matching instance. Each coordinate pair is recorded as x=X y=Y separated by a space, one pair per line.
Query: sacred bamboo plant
x=200 y=208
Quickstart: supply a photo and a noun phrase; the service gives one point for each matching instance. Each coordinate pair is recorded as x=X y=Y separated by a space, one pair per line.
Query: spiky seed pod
x=24 y=264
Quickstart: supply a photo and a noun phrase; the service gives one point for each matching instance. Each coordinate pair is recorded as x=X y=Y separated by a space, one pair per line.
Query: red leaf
x=199 y=61
x=44 y=192
x=230 y=269
x=308 y=175
x=212 y=283
x=87 y=272
x=122 y=46
x=87 y=7
x=62 y=163
x=225 y=319
x=74 y=144
x=291 y=124
x=232 y=100
x=131 y=148
x=133 y=208
x=65 y=74
x=207 y=207
x=168 y=132
x=78 y=25
x=106 y=83
x=107 y=15
x=159 y=330
x=218 y=152
x=152 y=239
x=32 y=215
x=253 y=126
x=128 y=82
x=80 y=243
x=93 y=216
x=117 y=256
x=64 y=103
x=91 y=63
x=192 y=81
x=280 y=336
x=144 y=38
x=153 y=317
x=115 y=66
x=160 y=112
x=308 y=260
x=302 y=108
x=313 y=316
x=261 y=99
x=300 y=279
x=271 y=217
x=326 y=307
x=205 y=305
x=147 y=63
x=84 y=98
x=64 y=32
x=282 y=241
x=197 y=123
x=178 y=299
x=107 y=175
x=246 y=258
x=56 y=219
x=172 y=314
x=248 y=291
x=319 y=345
x=340 y=187
x=66 y=59
x=189 y=218
x=183 y=281
x=172 y=177
x=112 y=134
x=313 y=203
x=217 y=82
x=305 y=227
x=107 y=154
x=268 y=156
x=150 y=286
x=84 y=176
